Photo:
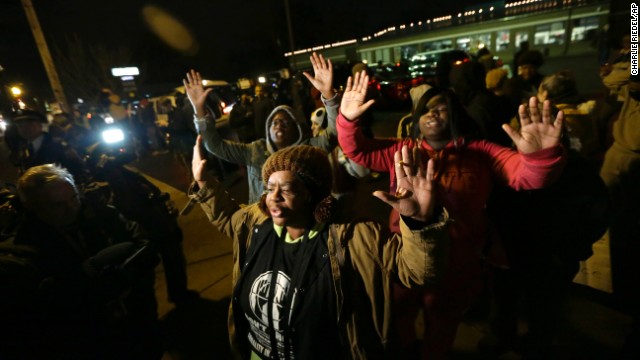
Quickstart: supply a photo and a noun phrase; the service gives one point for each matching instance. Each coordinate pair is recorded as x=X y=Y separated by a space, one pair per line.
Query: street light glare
x=16 y=91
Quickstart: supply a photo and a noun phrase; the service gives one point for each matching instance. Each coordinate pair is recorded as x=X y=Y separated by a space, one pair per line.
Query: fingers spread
x=430 y=170
x=308 y=76
x=524 y=115
x=348 y=86
x=417 y=160
x=559 y=120
x=514 y=135
x=533 y=109
x=314 y=61
x=400 y=165
x=386 y=197
x=546 y=112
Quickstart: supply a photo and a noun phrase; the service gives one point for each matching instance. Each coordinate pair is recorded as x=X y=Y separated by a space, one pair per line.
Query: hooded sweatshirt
x=465 y=174
x=254 y=154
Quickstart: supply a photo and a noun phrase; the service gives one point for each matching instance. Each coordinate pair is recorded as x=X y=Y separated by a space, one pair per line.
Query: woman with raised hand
x=465 y=171
x=305 y=287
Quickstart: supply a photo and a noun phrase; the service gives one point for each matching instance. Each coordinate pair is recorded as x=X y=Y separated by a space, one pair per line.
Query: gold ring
x=402 y=163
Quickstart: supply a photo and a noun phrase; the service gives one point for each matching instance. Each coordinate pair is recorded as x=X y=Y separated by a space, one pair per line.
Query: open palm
x=537 y=131
x=196 y=92
x=353 y=100
x=415 y=196
x=323 y=75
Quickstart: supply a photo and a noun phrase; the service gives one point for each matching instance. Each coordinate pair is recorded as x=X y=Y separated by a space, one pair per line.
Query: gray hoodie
x=253 y=155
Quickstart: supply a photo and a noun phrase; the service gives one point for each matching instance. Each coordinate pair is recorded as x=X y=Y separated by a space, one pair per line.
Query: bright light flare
x=111 y=136
x=227 y=109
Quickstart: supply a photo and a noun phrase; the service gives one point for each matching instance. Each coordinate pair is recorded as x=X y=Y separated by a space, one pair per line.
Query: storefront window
x=474 y=43
x=521 y=36
x=583 y=27
x=549 y=34
x=502 y=40
x=438 y=45
x=407 y=52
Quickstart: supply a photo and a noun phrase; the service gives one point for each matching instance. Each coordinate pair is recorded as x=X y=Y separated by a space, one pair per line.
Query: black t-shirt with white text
x=287 y=298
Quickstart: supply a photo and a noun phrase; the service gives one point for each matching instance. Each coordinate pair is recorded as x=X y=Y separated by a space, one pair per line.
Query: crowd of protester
x=498 y=186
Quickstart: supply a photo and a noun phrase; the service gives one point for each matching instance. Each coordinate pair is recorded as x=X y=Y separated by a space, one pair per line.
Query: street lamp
x=16 y=91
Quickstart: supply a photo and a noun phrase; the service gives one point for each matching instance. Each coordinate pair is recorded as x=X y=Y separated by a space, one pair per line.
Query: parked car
x=423 y=67
x=393 y=83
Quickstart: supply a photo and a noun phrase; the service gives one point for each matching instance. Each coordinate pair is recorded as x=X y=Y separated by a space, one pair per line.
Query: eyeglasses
x=436 y=111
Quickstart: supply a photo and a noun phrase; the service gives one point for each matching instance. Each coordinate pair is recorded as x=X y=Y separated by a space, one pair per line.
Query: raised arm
x=353 y=100
x=537 y=131
x=419 y=257
x=196 y=93
x=415 y=196
x=205 y=121
x=322 y=80
x=216 y=203
x=323 y=75
x=375 y=154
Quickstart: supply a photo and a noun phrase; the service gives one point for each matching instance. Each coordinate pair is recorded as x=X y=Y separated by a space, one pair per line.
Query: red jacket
x=466 y=175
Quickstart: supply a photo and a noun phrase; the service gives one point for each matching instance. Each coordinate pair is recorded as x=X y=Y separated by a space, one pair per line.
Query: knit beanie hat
x=496 y=78
x=311 y=166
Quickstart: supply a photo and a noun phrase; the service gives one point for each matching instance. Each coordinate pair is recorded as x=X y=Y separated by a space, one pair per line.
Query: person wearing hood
x=284 y=127
x=406 y=125
x=466 y=171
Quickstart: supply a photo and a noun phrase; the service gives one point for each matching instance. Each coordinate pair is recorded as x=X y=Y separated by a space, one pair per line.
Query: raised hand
x=196 y=92
x=199 y=163
x=537 y=131
x=415 y=195
x=353 y=105
x=323 y=75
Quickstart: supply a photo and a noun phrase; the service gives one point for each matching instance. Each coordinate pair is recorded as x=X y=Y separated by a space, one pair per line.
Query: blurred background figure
x=263 y=104
x=241 y=118
x=181 y=133
x=318 y=121
x=524 y=85
x=524 y=47
x=34 y=146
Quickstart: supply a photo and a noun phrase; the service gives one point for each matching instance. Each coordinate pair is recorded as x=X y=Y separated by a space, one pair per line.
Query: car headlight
x=111 y=136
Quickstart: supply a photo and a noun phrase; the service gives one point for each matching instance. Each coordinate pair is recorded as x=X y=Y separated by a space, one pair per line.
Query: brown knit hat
x=495 y=78
x=311 y=166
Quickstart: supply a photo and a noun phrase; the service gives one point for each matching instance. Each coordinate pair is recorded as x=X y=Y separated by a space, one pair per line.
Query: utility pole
x=290 y=28
x=45 y=54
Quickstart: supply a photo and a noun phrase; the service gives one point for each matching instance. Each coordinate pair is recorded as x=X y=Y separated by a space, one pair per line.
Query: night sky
x=233 y=37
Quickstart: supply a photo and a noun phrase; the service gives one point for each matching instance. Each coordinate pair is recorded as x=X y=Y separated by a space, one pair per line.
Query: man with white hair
x=96 y=271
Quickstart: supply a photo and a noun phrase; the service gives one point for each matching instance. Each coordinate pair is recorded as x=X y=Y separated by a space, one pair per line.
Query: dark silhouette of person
x=263 y=104
x=35 y=147
x=95 y=274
